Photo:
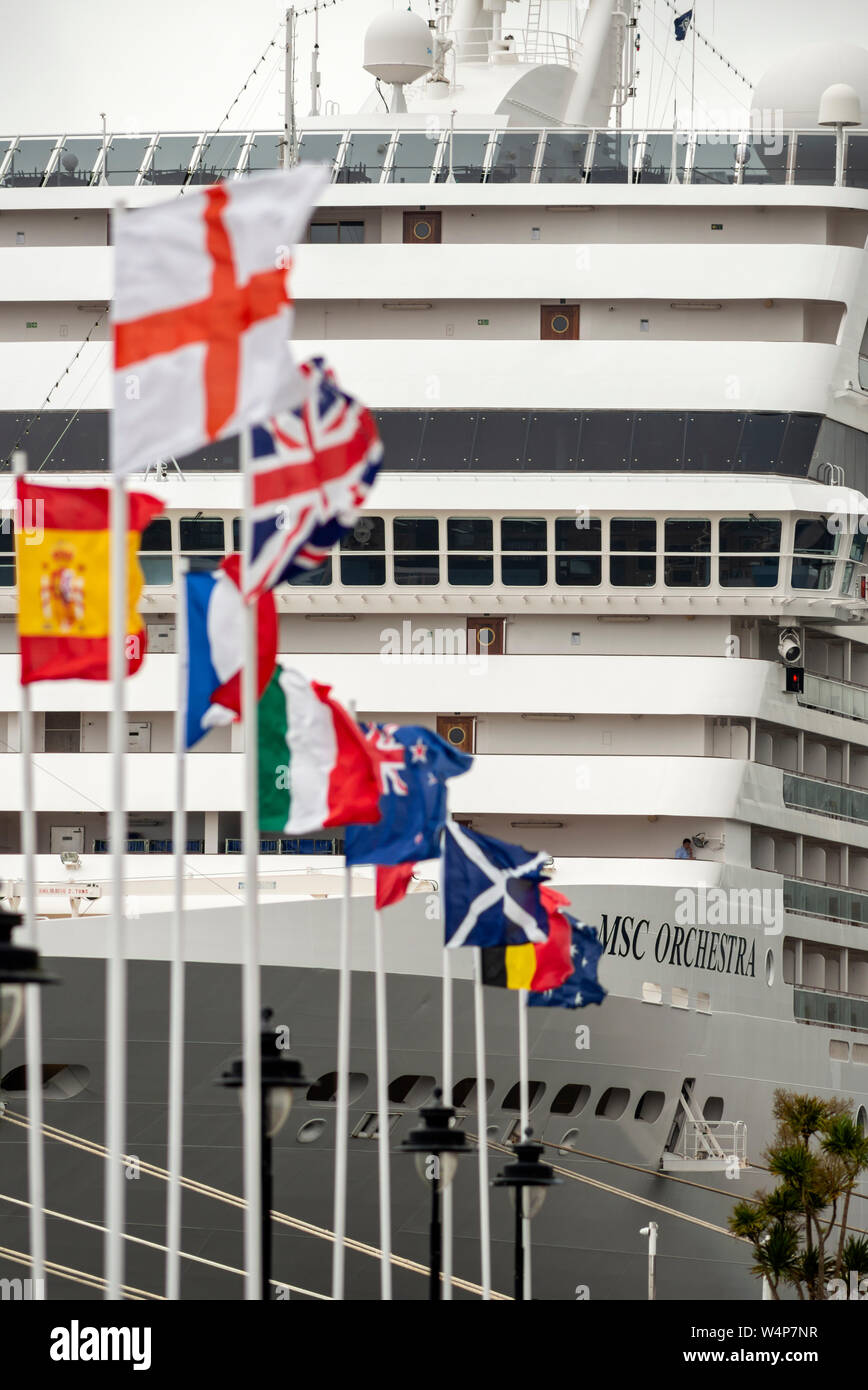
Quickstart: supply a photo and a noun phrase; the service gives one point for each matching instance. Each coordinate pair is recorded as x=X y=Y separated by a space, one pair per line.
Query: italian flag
x=315 y=768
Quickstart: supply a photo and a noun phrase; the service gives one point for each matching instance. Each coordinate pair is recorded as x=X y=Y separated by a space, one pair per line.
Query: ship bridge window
x=525 y=535
x=713 y=162
x=611 y=156
x=635 y=538
x=470 y=541
x=364 y=158
x=563 y=158
x=416 y=535
x=500 y=440
x=467 y=157
x=200 y=534
x=553 y=440
x=761 y=440
x=747 y=552
x=319 y=147
x=814 y=538
x=265 y=152
x=413 y=161
x=514 y=156
x=28 y=163
x=815 y=159
x=856 y=161
x=687 y=561
x=317 y=578
x=74 y=167
x=712 y=441
x=363 y=559
x=765 y=161
x=7 y=552
x=578 y=543
x=606 y=440
x=155 y=552
x=658 y=441
x=447 y=434
x=332 y=233
x=218 y=158
x=656 y=159
x=124 y=159
x=170 y=162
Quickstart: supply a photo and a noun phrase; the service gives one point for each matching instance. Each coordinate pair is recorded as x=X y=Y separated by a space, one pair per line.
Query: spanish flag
x=62 y=558
x=534 y=965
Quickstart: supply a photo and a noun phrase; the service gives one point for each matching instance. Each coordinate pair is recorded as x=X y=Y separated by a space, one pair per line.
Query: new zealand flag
x=582 y=987
x=414 y=767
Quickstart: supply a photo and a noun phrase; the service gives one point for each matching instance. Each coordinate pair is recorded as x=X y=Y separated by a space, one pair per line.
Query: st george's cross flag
x=491 y=891
x=215 y=646
x=63 y=578
x=202 y=314
x=312 y=470
x=316 y=770
x=582 y=986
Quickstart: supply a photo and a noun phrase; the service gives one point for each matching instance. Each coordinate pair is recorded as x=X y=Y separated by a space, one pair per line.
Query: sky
x=178 y=64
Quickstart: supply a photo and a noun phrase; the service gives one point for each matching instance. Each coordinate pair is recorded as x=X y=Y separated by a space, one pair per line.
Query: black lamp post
x=19 y=966
x=528 y=1179
x=280 y=1076
x=437 y=1148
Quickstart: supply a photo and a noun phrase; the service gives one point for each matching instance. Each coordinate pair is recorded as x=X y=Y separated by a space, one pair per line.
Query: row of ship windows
x=433 y=156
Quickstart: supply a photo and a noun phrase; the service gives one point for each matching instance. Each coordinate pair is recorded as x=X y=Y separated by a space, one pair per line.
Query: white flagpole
x=251 y=1010
x=383 y=1112
x=342 y=1098
x=524 y=1121
x=482 y=1111
x=693 y=68
x=116 y=994
x=446 y=1198
x=177 y=981
x=33 y=1014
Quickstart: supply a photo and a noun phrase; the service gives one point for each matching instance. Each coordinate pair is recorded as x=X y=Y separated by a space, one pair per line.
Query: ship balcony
x=718 y=1146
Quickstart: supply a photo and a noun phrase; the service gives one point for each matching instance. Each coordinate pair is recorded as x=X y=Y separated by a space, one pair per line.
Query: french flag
x=215 y=646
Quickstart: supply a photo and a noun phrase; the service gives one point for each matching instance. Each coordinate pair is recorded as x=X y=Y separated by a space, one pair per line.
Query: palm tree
x=844 y=1141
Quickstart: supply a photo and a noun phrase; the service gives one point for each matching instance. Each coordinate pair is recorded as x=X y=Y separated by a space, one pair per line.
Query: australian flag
x=492 y=891
x=582 y=987
x=312 y=470
x=682 y=24
x=415 y=765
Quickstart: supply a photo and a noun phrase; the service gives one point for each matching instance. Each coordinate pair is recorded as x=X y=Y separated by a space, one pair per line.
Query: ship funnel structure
x=399 y=49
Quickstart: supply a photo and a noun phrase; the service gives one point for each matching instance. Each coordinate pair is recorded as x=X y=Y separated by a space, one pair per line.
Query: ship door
x=559 y=321
x=423 y=226
x=459 y=730
x=485 y=635
x=680 y=1114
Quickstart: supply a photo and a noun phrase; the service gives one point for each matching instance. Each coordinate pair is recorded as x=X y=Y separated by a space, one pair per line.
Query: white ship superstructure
x=622 y=383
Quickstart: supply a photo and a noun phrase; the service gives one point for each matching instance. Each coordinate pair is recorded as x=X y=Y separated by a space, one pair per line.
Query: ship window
x=317 y=578
x=447 y=440
x=857 y=545
x=63 y=732
x=582 y=534
x=27 y=168
x=60 y=1080
x=570 y=1100
x=416 y=534
x=713 y=162
x=610 y=160
x=553 y=440
x=265 y=153
x=862 y=1119
x=612 y=1103
x=332 y=233
x=650 y=1106
x=761 y=441
x=815 y=159
x=414 y=157
x=218 y=158
x=124 y=159
x=512 y=1101
x=464 y=1093
x=860 y=1054
x=170 y=162
x=324 y=1090
x=527 y=534
x=74 y=167
x=468 y=534
x=747 y=560
x=712 y=441
x=500 y=440
x=319 y=147
x=606 y=440
x=366 y=564
x=687 y=562
x=155 y=552
x=7 y=552
x=712 y=1110
x=514 y=157
x=657 y=157
x=631 y=536
x=839 y=1051
x=563 y=158
x=364 y=158
x=468 y=158
x=765 y=161
x=411 y=1090
x=856 y=161
x=814 y=537
x=202 y=534
x=658 y=441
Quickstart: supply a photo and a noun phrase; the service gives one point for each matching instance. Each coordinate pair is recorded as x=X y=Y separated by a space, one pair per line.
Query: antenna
x=314 y=64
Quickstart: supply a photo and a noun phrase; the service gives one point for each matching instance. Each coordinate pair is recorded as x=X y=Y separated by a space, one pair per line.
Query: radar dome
x=398 y=47
x=794 y=84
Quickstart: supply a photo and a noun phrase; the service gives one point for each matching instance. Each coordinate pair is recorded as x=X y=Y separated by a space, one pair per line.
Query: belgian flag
x=535 y=966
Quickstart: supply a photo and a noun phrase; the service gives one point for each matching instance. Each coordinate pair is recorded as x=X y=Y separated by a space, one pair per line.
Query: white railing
x=713 y=1139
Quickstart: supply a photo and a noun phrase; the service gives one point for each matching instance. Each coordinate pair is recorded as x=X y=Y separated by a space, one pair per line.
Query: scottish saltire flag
x=491 y=891
x=682 y=24
x=312 y=470
x=215 y=646
x=414 y=765
x=582 y=987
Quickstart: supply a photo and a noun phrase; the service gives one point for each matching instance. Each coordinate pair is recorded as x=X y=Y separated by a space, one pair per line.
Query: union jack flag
x=312 y=470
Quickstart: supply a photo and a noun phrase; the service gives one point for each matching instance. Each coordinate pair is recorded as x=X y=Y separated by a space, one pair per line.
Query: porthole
x=570 y=1100
x=493 y=1131
x=485 y=636
x=570 y=1138
x=650 y=1106
x=324 y=1090
x=457 y=735
x=560 y=323
x=310 y=1132
x=60 y=1080
x=712 y=1110
x=612 y=1103
x=421 y=230
x=770 y=968
x=464 y=1092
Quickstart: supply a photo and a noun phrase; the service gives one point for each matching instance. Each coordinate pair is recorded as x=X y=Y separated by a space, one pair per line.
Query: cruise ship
x=616 y=551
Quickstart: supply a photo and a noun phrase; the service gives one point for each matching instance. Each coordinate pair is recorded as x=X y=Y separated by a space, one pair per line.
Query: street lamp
x=280 y=1076
x=19 y=966
x=528 y=1180
x=651 y=1232
x=437 y=1148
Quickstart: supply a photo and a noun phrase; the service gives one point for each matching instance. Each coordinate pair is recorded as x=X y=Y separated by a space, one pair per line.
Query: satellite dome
x=792 y=87
x=69 y=162
x=398 y=47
